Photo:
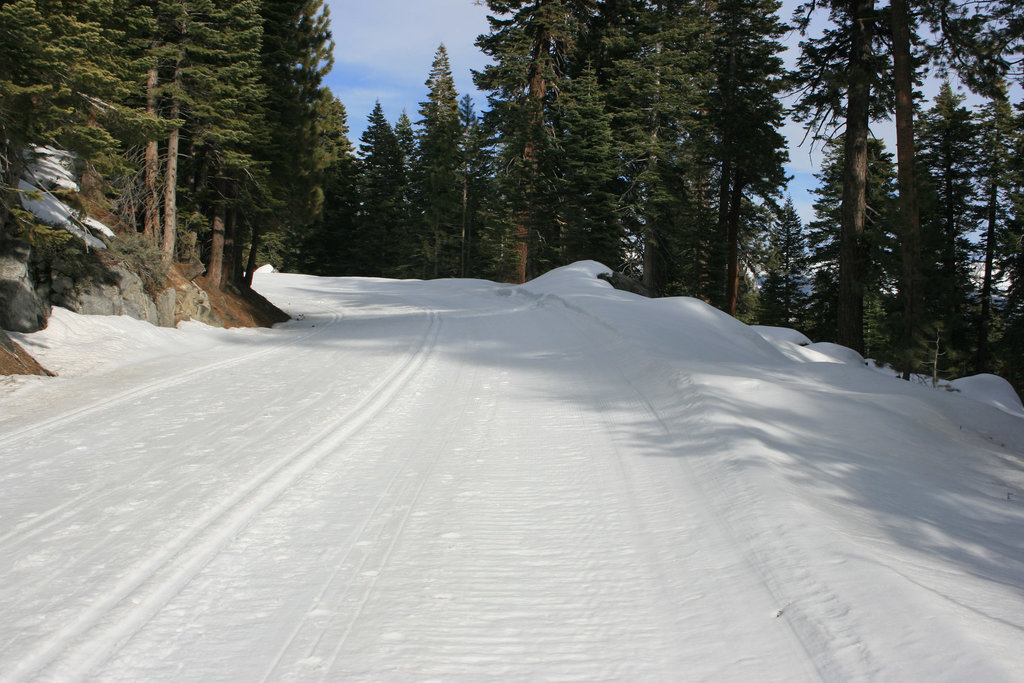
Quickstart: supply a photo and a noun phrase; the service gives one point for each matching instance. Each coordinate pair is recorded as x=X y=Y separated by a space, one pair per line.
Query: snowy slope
x=461 y=480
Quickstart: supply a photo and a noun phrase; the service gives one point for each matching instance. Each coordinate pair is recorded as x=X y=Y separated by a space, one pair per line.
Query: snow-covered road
x=460 y=480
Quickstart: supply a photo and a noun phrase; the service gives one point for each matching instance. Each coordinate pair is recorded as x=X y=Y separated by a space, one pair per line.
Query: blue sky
x=384 y=49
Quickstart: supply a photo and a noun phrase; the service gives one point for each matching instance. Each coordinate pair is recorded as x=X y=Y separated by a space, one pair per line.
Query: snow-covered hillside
x=462 y=481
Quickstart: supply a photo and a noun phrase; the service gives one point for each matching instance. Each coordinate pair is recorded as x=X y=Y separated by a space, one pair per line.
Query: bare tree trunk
x=215 y=270
x=853 y=211
x=170 y=235
x=985 y=319
x=732 y=285
x=232 y=252
x=250 y=267
x=151 y=222
x=464 y=252
x=910 y=220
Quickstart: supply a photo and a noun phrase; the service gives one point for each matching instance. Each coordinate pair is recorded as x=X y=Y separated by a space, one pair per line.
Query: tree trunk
x=985 y=318
x=910 y=222
x=853 y=211
x=654 y=270
x=232 y=253
x=536 y=92
x=250 y=267
x=721 y=244
x=215 y=270
x=732 y=284
x=151 y=221
x=170 y=235
x=464 y=252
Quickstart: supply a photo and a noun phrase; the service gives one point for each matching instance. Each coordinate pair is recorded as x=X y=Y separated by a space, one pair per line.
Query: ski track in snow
x=111 y=402
x=465 y=481
x=80 y=645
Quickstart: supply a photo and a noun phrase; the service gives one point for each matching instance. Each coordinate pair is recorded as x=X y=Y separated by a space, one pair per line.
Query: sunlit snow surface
x=464 y=481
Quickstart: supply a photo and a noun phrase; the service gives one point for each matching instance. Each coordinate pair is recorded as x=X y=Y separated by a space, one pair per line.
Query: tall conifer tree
x=530 y=42
x=745 y=114
x=382 y=226
x=436 y=172
x=783 y=298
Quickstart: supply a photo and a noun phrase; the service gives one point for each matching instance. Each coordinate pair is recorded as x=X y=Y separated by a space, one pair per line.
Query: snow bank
x=777 y=335
x=990 y=389
x=73 y=345
x=675 y=325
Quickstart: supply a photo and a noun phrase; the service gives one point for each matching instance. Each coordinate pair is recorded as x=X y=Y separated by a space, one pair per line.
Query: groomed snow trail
x=445 y=481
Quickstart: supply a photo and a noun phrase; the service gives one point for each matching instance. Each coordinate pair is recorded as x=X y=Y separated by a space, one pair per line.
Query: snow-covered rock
x=48 y=170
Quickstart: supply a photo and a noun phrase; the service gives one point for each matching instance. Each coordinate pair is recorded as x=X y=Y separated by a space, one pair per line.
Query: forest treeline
x=644 y=134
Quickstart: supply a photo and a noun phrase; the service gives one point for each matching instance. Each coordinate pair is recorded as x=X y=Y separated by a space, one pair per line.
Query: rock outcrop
x=21 y=307
x=31 y=284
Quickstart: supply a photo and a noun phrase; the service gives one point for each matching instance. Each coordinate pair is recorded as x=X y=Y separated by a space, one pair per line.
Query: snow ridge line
x=84 y=643
x=146 y=389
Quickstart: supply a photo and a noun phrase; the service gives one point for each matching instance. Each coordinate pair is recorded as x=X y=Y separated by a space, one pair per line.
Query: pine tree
x=783 y=298
x=436 y=172
x=591 y=228
x=406 y=135
x=475 y=185
x=824 y=243
x=382 y=236
x=948 y=143
x=328 y=247
x=530 y=42
x=295 y=55
x=1005 y=218
x=655 y=66
x=745 y=114
x=29 y=90
x=61 y=83
x=840 y=78
x=224 y=121
x=999 y=133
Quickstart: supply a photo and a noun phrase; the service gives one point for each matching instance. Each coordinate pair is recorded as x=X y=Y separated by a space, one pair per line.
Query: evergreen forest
x=644 y=134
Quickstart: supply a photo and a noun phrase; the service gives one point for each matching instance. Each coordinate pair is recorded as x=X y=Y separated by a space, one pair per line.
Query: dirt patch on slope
x=242 y=308
x=15 y=361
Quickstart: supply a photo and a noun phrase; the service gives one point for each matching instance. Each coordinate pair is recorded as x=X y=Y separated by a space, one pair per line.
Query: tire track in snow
x=91 y=638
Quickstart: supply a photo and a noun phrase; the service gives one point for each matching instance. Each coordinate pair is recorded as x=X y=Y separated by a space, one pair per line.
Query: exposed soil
x=15 y=361
x=245 y=308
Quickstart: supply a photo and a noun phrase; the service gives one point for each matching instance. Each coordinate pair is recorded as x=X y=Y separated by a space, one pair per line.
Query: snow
x=780 y=335
x=51 y=169
x=462 y=480
x=990 y=389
